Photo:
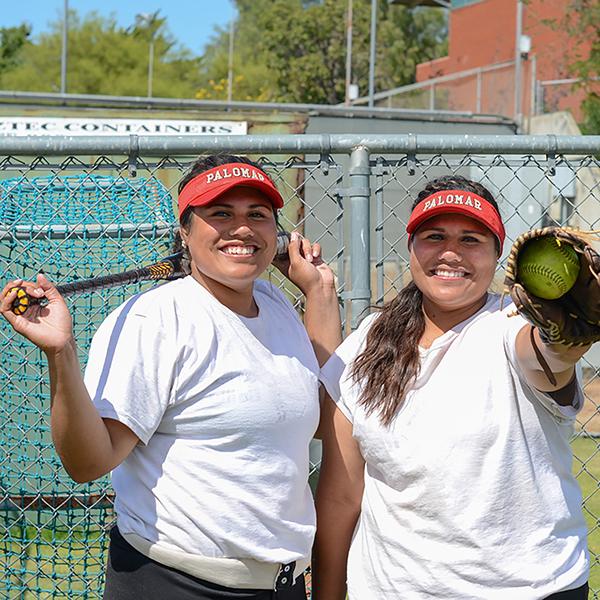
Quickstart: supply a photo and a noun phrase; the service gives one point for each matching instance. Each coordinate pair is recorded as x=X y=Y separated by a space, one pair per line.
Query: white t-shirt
x=225 y=408
x=469 y=492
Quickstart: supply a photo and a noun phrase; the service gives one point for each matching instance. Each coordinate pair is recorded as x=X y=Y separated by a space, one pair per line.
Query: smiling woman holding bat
x=446 y=467
x=200 y=395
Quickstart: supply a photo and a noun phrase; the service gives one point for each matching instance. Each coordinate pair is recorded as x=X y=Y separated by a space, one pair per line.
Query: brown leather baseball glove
x=574 y=318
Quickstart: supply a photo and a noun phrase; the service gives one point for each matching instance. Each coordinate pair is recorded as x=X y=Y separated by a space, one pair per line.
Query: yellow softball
x=547 y=268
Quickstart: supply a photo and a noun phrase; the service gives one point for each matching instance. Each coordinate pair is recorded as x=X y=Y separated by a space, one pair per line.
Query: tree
x=581 y=21
x=12 y=40
x=253 y=80
x=588 y=12
x=295 y=50
x=284 y=50
x=105 y=59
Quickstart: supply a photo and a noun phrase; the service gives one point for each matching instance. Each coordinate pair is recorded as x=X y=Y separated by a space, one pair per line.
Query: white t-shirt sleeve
x=513 y=326
x=130 y=369
x=335 y=373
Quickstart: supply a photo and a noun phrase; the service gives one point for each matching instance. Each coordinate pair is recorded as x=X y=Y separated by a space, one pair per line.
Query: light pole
x=149 y=21
x=230 y=62
x=348 y=51
x=372 y=51
x=150 y=65
x=63 y=55
x=518 y=75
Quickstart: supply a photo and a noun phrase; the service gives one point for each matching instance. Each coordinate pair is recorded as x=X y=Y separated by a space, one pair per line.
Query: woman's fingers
x=46 y=288
x=294 y=247
x=7 y=289
x=9 y=295
x=306 y=249
x=15 y=288
x=17 y=294
x=301 y=247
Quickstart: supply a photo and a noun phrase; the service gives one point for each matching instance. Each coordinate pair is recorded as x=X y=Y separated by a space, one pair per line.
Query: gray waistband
x=244 y=573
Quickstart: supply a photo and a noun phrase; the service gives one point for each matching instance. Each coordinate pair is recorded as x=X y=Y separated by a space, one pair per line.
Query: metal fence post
x=359 y=192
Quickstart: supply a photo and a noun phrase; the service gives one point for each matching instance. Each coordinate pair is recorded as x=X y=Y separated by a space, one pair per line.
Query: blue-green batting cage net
x=54 y=531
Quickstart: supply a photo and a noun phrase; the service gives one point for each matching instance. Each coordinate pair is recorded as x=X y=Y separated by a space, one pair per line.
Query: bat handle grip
x=23 y=301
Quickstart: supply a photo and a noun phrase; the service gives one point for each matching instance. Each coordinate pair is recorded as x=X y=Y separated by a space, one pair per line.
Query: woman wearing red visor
x=200 y=396
x=447 y=468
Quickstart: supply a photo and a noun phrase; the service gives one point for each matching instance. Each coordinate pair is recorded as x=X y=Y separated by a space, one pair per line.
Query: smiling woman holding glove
x=446 y=466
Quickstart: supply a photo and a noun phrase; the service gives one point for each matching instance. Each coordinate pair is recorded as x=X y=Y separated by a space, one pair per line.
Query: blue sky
x=190 y=21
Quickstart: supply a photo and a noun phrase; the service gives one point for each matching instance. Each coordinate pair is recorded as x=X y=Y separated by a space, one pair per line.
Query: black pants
x=581 y=593
x=132 y=576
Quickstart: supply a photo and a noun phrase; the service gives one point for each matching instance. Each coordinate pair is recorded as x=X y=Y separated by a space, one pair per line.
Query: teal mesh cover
x=53 y=537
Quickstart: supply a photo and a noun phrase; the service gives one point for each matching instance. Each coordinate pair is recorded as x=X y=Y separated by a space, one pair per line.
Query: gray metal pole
x=379 y=241
x=372 y=51
x=348 y=51
x=533 y=90
x=478 y=103
x=539 y=98
x=159 y=145
x=150 y=65
x=518 y=76
x=230 y=63
x=222 y=105
x=63 y=56
x=359 y=193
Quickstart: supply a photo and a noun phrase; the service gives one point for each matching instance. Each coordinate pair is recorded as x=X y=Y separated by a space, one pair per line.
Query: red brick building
x=482 y=47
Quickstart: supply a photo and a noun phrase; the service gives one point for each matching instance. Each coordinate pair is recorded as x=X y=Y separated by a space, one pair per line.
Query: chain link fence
x=78 y=208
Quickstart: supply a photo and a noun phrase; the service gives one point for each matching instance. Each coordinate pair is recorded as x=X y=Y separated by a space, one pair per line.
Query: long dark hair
x=204 y=163
x=390 y=361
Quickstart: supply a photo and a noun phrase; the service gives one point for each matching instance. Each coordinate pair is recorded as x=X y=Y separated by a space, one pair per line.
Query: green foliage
x=284 y=50
x=304 y=48
x=104 y=58
x=12 y=40
x=295 y=50
x=252 y=77
x=591 y=110
x=588 y=68
x=581 y=21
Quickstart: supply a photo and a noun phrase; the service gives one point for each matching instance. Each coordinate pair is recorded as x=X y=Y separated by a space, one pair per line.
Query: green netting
x=53 y=531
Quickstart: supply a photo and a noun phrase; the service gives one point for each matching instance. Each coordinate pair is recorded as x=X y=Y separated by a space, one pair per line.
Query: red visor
x=457 y=201
x=211 y=184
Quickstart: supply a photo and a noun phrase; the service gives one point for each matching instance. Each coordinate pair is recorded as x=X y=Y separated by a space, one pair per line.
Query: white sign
x=78 y=126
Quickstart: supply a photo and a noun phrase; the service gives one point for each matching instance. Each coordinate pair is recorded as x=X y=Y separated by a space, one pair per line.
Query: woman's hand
x=304 y=265
x=48 y=326
x=306 y=269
